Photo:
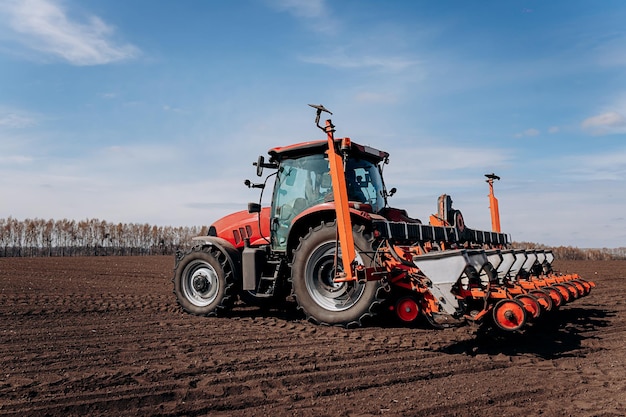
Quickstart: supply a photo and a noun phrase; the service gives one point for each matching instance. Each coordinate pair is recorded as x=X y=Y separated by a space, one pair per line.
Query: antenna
x=320 y=108
x=493 y=203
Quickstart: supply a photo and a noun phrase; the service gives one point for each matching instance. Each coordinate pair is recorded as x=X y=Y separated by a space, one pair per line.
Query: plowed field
x=104 y=336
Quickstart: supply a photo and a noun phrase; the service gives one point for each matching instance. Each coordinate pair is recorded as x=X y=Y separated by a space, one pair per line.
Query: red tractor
x=332 y=241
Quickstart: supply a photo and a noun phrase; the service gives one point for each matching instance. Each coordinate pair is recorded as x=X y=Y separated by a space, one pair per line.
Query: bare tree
x=39 y=237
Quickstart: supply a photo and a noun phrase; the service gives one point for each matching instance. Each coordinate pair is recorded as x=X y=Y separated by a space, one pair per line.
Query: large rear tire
x=203 y=282
x=322 y=300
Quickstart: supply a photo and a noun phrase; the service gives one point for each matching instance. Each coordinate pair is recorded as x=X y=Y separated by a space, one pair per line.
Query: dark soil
x=104 y=336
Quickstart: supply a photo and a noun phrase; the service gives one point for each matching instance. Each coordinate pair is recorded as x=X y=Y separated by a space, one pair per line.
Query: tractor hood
x=241 y=225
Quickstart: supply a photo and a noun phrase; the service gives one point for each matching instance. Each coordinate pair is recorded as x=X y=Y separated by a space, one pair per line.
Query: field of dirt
x=104 y=336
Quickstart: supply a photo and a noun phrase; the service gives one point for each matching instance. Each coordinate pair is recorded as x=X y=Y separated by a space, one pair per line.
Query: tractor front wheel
x=204 y=282
x=322 y=299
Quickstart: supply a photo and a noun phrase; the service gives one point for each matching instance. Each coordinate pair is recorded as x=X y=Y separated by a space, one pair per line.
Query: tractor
x=331 y=240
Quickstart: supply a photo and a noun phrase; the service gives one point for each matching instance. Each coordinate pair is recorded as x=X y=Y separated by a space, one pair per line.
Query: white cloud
x=610 y=50
x=582 y=213
x=15 y=120
x=371 y=97
x=368 y=52
x=610 y=119
x=301 y=8
x=431 y=167
x=610 y=166
x=340 y=59
x=606 y=119
x=528 y=133
x=44 y=26
x=314 y=13
x=605 y=123
x=16 y=159
x=172 y=109
x=119 y=185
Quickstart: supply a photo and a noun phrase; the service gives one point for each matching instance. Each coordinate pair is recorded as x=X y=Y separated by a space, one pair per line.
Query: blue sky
x=153 y=111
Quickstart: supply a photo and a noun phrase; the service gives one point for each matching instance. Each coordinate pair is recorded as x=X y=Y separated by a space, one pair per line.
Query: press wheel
x=509 y=315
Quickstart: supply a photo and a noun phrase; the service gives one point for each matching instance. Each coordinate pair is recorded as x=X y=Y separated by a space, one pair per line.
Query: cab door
x=300 y=184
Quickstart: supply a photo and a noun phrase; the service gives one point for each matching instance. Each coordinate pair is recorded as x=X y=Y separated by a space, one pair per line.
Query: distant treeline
x=568 y=253
x=90 y=237
x=93 y=237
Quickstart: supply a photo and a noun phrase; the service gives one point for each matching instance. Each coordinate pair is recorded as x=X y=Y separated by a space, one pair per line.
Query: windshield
x=301 y=183
x=365 y=183
x=305 y=182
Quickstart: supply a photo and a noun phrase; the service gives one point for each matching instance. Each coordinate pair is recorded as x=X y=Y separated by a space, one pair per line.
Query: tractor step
x=267 y=281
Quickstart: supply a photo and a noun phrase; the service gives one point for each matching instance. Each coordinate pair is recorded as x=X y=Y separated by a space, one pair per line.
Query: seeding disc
x=407 y=309
x=572 y=290
x=579 y=287
x=565 y=293
x=509 y=315
x=586 y=285
x=555 y=294
x=543 y=299
x=591 y=283
x=531 y=305
x=582 y=290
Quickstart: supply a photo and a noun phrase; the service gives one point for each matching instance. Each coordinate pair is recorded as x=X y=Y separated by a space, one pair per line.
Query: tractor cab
x=303 y=183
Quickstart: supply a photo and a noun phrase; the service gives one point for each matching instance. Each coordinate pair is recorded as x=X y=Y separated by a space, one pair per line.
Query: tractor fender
x=233 y=256
x=316 y=215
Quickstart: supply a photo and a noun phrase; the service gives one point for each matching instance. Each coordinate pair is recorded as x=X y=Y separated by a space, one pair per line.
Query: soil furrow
x=104 y=336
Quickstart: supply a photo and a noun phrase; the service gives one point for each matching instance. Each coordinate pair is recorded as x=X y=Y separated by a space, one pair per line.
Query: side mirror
x=260 y=163
x=254 y=208
x=392 y=192
x=249 y=184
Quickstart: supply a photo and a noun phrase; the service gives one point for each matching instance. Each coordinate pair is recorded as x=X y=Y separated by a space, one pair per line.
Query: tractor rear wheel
x=204 y=282
x=313 y=271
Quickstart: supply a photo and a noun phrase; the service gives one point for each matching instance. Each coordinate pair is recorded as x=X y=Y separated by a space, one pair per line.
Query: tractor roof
x=320 y=147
